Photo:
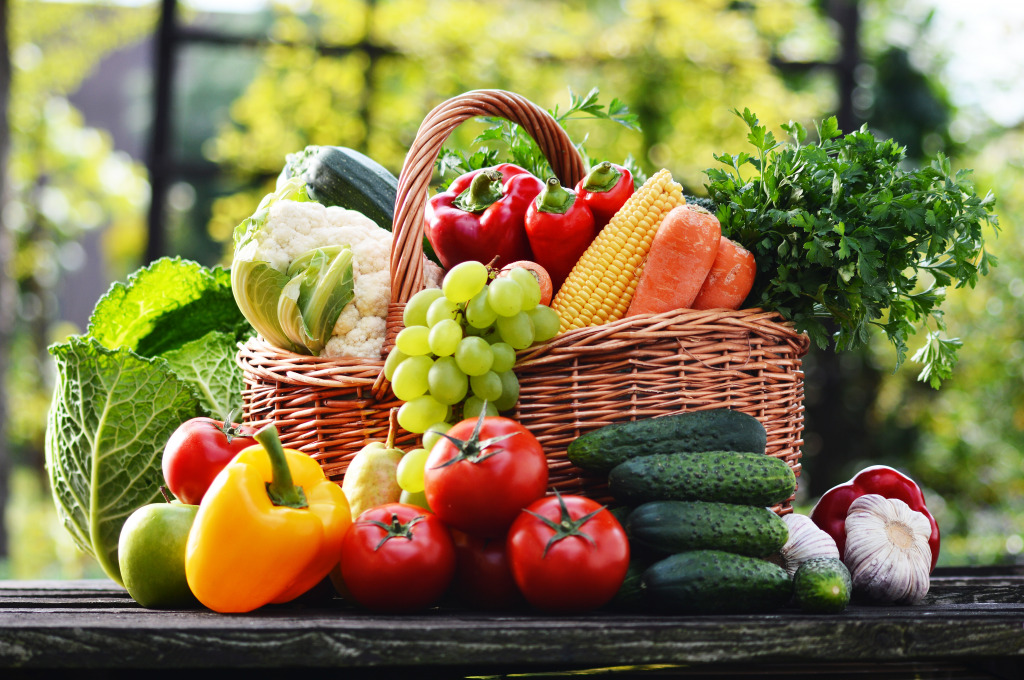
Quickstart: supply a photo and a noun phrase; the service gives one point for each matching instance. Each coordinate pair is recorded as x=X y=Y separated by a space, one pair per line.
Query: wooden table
x=971 y=626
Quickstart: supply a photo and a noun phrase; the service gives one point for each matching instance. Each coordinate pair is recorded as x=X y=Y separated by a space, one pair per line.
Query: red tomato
x=197 y=451
x=481 y=485
x=568 y=554
x=397 y=558
x=483 y=577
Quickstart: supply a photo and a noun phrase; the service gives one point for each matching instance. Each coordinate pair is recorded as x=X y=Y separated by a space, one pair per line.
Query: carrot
x=730 y=279
x=682 y=252
x=539 y=273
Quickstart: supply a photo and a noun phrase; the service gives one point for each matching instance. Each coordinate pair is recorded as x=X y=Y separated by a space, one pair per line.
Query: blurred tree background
x=240 y=91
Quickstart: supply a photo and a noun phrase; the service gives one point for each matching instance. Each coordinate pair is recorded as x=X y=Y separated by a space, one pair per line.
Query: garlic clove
x=887 y=550
x=806 y=541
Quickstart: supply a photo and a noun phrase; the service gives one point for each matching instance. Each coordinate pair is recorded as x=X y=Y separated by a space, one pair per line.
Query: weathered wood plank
x=96 y=625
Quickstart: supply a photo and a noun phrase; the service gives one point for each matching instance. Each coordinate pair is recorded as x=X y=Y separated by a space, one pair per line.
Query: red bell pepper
x=560 y=227
x=605 y=189
x=481 y=216
x=830 y=511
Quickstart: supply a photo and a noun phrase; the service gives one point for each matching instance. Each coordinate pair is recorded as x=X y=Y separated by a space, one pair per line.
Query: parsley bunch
x=516 y=146
x=848 y=238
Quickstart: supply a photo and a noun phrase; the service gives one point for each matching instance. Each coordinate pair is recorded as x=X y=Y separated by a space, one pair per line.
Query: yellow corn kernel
x=601 y=284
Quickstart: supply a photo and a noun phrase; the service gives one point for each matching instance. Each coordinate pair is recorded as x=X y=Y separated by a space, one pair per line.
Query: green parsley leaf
x=848 y=238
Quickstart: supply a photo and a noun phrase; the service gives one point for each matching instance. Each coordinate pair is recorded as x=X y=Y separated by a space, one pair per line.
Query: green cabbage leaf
x=159 y=349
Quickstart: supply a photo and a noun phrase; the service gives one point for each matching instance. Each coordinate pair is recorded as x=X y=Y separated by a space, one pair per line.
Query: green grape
x=417 y=415
x=415 y=312
x=531 y=288
x=509 y=391
x=442 y=308
x=413 y=340
x=395 y=357
x=444 y=337
x=546 y=322
x=410 y=470
x=473 y=406
x=505 y=296
x=474 y=356
x=478 y=311
x=446 y=381
x=516 y=330
x=433 y=434
x=410 y=379
x=418 y=499
x=486 y=386
x=464 y=280
x=504 y=357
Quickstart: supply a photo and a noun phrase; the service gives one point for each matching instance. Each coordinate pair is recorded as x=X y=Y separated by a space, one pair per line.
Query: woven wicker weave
x=642 y=366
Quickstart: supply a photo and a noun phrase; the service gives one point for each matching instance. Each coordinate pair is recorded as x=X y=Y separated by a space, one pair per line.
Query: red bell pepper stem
x=281 y=489
x=602 y=177
x=483 y=192
x=555 y=198
x=605 y=189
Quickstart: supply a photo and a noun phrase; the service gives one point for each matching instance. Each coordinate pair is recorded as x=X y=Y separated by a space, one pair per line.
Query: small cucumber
x=714 y=430
x=715 y=582
x=678 y=526
x=716 y=476
x=822 y=585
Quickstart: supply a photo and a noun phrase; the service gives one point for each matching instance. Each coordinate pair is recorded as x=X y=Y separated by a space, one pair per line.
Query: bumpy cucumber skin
x=678 y=526
x=716 y=429
x=717 y=476
x=822 y=585
x=715 y=582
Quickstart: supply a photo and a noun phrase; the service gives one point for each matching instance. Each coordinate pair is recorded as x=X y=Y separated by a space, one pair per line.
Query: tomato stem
x=473 y=449
x=566 y=526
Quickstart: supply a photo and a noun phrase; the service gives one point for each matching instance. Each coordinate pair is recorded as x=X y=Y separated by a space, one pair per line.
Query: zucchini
x=715 y=582
x=715 y=430
x=822 y=585
x=717 y=476
x=340 y=176
x=678 y=526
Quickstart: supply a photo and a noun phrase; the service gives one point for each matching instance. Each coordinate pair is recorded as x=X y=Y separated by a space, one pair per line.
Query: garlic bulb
x=805 y=541
x=887 y=550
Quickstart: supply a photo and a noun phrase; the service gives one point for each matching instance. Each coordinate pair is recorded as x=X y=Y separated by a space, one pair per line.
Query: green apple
x=151 y=554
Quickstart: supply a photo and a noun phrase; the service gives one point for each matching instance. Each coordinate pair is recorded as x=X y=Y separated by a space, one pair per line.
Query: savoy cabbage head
x=159 y=350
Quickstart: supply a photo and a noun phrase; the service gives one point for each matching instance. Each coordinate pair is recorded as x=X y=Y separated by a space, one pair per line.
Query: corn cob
x=601 y=284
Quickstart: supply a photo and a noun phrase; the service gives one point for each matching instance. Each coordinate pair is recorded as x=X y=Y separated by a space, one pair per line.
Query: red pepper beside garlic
x=887 y=550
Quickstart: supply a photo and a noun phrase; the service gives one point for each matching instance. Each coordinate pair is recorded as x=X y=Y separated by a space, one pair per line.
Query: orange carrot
x=682 y=252
x=730 y=279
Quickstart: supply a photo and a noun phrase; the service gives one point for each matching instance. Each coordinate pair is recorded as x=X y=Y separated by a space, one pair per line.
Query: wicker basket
x=642 y=366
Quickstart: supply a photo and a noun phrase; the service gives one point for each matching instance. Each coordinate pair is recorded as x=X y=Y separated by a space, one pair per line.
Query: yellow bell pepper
x=268 y=529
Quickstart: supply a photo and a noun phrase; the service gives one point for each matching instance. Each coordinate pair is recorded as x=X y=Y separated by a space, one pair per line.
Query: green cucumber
x=715 y=430
x=822 y=585
x=717 y=476
x=678 y=526
x=715 y=582
x=340 y=176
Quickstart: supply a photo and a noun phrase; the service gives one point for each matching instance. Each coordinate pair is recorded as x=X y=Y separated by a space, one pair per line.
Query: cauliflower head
x=294 y=227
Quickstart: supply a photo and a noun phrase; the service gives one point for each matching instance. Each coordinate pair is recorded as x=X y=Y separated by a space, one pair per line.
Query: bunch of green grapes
x=454 y=358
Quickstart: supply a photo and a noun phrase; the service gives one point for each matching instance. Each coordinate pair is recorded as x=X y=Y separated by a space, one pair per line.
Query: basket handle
x=418 y=169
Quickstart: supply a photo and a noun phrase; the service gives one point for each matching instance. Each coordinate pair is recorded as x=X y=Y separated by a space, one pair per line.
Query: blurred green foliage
x=363 y=74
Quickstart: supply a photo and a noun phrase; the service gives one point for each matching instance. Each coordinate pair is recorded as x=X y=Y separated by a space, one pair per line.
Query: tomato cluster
x=492 y=539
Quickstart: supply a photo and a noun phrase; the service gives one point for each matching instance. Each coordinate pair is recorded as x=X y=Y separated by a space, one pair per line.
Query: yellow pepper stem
x=282 y=490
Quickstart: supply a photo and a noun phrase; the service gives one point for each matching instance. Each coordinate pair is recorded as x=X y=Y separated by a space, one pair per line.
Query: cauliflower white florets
x=295 y=227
